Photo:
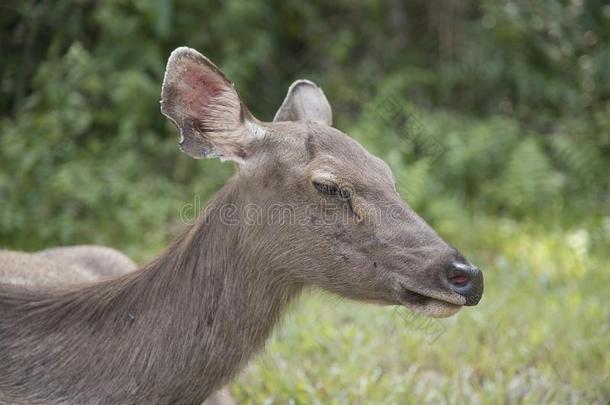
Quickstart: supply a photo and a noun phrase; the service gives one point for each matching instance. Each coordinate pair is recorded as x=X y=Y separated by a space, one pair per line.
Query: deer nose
x=466 y=280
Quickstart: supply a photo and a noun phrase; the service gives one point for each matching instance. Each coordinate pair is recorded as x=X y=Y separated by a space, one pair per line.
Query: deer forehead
x=325 y=152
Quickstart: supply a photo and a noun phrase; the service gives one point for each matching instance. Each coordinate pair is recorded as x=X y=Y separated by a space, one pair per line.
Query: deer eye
x=332 y=190
x=326 y=188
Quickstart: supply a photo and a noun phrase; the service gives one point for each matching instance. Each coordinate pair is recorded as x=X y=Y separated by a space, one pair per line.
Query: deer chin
x=424 y=304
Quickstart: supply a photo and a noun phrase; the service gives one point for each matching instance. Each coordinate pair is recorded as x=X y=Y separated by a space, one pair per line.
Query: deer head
x=342 y=225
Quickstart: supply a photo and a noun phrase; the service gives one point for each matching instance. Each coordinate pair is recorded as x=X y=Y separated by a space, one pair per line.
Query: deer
x=63 y=265
x=73 y=264
x=307 y=208
x=104 y=262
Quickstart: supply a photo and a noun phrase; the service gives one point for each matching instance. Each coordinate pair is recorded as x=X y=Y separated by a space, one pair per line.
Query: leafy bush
x=82 y=134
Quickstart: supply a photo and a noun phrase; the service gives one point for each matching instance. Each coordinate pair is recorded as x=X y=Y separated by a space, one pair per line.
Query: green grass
x=540 y=334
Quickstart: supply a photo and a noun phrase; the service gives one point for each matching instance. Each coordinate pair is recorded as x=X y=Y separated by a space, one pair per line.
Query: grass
x=540 y=334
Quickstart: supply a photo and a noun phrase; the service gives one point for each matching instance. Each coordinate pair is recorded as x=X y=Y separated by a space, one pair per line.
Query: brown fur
x=74 y=264
x=21 y=268
x=103 y=261
x=182 y=326
x=147 y=333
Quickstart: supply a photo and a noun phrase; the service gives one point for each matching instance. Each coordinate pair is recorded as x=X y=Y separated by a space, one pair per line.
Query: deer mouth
x=430 y=304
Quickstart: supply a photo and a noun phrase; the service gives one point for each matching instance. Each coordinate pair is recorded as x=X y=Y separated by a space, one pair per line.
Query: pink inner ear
x=199 y=87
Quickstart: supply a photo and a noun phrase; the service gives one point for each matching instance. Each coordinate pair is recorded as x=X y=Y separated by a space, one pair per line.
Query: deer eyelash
x=326 y=188
x=333 y=190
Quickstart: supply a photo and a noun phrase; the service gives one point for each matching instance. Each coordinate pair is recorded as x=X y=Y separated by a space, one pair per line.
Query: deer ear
x=305 y=101
x=203 y=104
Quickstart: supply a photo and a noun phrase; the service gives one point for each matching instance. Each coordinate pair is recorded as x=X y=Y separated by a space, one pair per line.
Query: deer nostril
x=459 y=280
x=458 y=275
x=465 y=280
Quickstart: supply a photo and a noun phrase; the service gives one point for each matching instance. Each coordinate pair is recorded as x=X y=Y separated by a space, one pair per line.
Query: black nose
x=466 y=280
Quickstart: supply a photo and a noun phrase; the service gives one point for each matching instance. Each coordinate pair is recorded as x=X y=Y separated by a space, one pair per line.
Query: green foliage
x=82 y=125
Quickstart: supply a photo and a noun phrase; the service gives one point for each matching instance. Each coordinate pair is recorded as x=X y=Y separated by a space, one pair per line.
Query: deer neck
x=173 y=331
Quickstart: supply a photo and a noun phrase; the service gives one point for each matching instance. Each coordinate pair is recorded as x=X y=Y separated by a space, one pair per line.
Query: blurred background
x=494 y=115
